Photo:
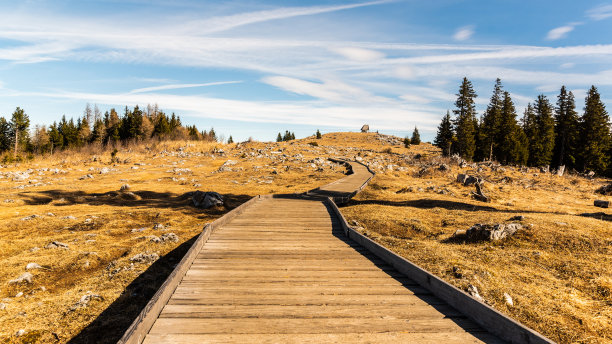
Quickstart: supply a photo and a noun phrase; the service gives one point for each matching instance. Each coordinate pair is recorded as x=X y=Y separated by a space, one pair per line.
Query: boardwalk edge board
x=136 y=333
x=490 y=319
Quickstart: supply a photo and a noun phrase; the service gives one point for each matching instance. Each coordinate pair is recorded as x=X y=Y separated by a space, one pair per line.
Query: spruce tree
x=595 y=134
x=444 y=137
x=279 y=138
x=5 y=135
x=406 y=142
x=20 y=122
x=416 y=137
x=543 y=139
x=465 y=121
x=566 y=130
x=490 y=125
x=230 y=140
x=318 y=134
x=511 y=140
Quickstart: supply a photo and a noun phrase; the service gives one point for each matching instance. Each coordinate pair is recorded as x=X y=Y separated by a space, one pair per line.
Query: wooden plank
x=313 y=325
x=330 y=338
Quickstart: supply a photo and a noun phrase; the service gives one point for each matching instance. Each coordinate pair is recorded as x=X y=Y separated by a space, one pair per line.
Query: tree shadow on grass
x=426 y=203
x=599 y=216
x=110 y=325
x=152 y=199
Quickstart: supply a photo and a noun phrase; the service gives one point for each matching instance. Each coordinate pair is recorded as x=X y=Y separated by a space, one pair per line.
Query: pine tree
x=444 y=137
x=230 y=140
x=490 y=126
x=318 y=134
x=543 y=139
x=20 y=122
x=566 y=130
x=406 y=142
x=416 y=137
x=212 y=135
x=465 y=127
x=279 y=138
x=595 y=134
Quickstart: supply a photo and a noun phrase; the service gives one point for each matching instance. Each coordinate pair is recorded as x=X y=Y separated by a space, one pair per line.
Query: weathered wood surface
x=283 y=270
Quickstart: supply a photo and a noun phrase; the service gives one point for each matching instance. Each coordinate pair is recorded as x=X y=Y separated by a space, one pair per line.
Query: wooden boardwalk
x=283 y=271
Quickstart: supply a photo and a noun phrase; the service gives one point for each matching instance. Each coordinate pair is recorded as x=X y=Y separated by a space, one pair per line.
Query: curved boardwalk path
x=283 y=271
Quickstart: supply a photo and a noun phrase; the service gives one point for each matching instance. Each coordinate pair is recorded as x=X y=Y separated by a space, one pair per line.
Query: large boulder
x=206 y=199
x=492 y=232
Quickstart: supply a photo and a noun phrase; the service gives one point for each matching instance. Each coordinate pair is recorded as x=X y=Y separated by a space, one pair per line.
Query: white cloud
x=413 y=98
x=359 y=54
x=559 y=32
x=600 y=12
x=179 y=86
x=464 y=33
x=567 y=65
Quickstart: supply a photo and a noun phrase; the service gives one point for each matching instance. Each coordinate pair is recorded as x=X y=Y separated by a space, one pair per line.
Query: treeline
x=93 y=127
x=546 y=135
x=287 y=137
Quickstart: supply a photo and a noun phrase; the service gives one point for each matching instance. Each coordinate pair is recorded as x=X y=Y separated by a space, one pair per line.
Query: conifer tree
x=279 y=138
x=212 y=135
x=566 y=130
x=416 y=137
x=20 y=122
x=84 y=130
x=465 y=127
x=543 y=139
x=511 y=145
x=318 y=134
x=5 y=135
x=230 y=140
x=595 y=134
x=444 y=137
x=406 y=142
x=489 y=128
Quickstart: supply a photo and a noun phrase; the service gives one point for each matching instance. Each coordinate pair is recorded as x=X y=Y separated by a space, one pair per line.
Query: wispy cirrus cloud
x=600 y=12
x=464 y=33
x=181 y=86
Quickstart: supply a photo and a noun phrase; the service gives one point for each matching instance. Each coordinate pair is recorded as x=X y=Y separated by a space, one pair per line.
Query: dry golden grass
x=100 y=237
x=558 y=271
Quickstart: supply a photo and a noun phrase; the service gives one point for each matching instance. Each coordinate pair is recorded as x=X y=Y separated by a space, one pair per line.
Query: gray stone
x=158 y=226
x=124 y=187
x=508 y=300
x=85 y=300
x=144 y=258
x=69 y=217
x=492 y=232
x=25 y=277
x=169 y=237
x=57 y=244
x=20 y=333
x=31 y=217
x=138 y=230
x=473 y=291
x=206 y=199
x=32 y=266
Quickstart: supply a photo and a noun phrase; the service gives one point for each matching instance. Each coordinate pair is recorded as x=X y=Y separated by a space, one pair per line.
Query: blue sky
x=251 y=68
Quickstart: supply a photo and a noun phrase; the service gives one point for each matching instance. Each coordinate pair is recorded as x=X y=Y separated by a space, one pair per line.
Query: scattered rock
x=473 y=291
x=32 y=266
x=457 y=272
x=169 y=237
x=206 y=199
x=560 y=170
x=69 y=217
x=85 y=300
x=492 y=232
x=20 y=333
x=2 y=306
x=159 y=226
x=31 y=217
x=25 y=277
x=144 y=258
x=601 y=203
x=355 y=223
x=467 y=180
x=605 y=190
x=138 y=230
x=508 y=300
x=87 y=176
x=19 y=294
x=405 y=190
x=124 y=187
x=57 y=244
x=153 y=238
x=104 y=170
x=444 y=167
x=50 y=214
